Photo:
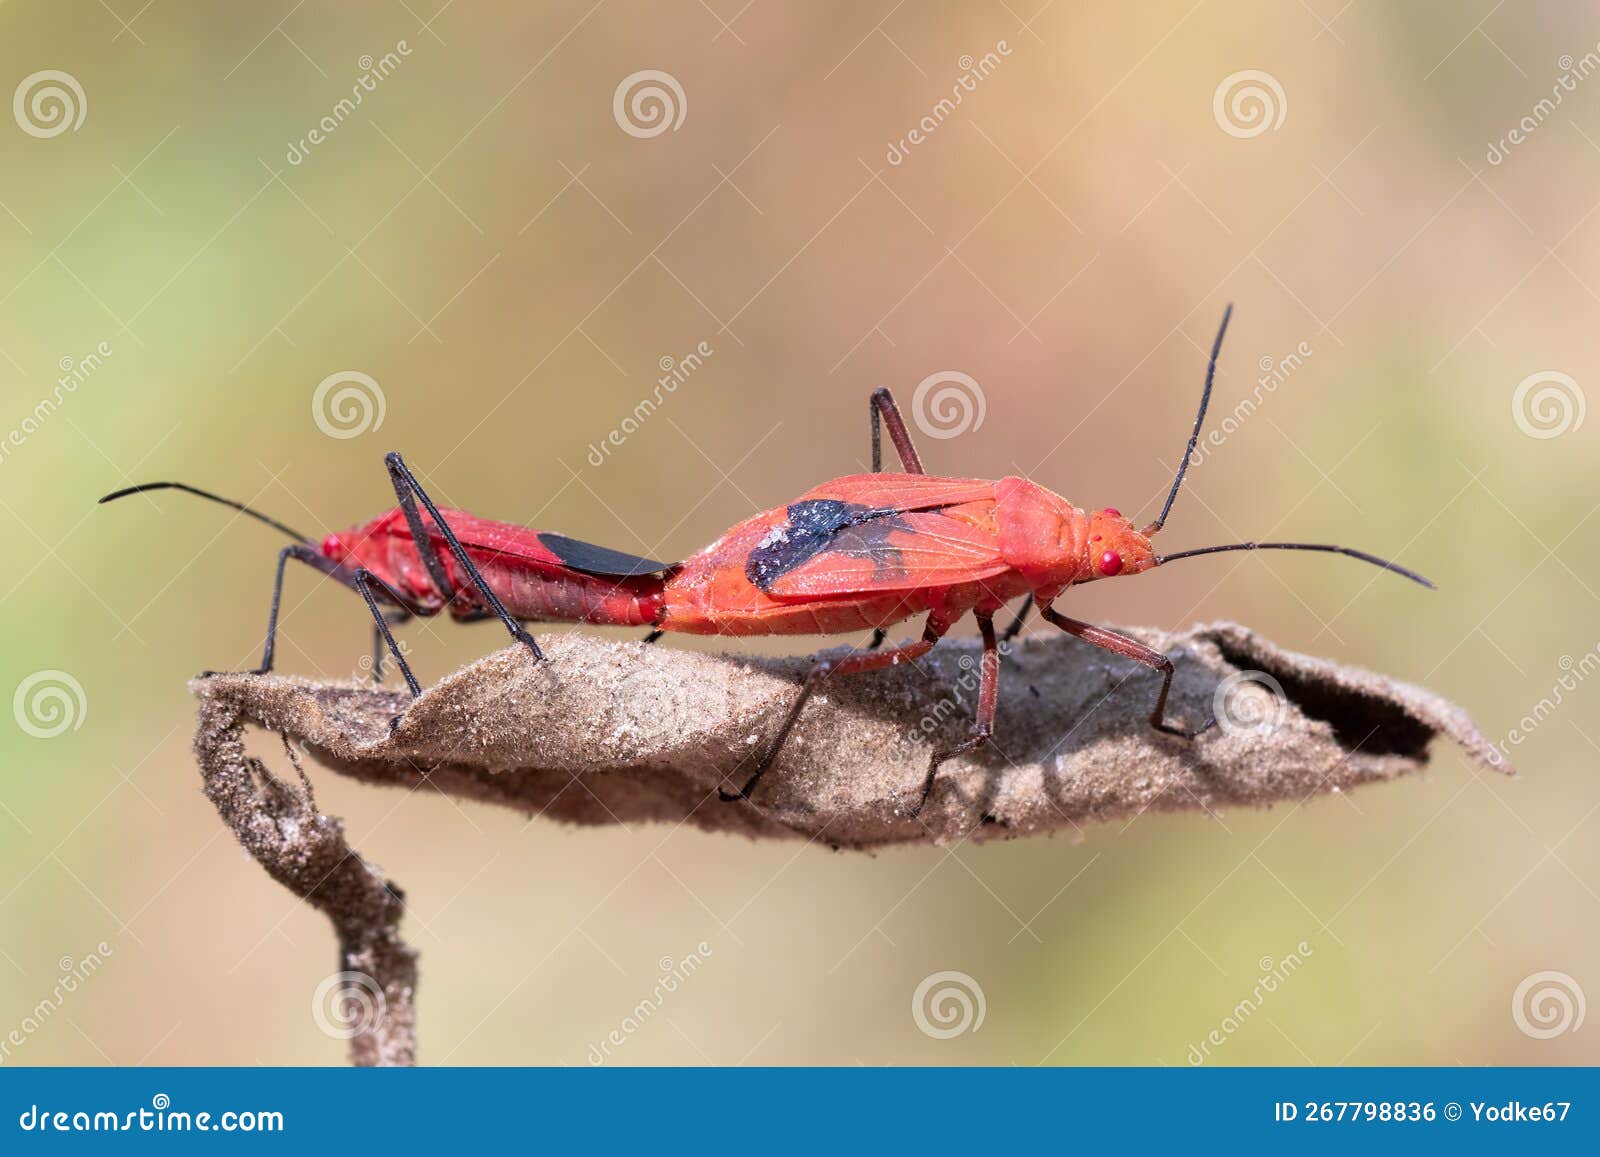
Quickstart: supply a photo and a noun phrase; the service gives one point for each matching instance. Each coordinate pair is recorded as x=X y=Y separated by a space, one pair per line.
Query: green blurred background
x=483 y=239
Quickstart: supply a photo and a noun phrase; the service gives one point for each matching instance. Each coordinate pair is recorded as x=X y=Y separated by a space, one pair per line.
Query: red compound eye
x=1112 y=512
x=1110 y=563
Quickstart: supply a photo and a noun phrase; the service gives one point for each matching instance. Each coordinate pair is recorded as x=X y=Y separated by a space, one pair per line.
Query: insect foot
x=915 y=810
x=1190 y=733
x=526 y=639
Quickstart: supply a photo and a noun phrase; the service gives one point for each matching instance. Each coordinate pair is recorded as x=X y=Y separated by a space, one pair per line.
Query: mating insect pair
x=861 y=552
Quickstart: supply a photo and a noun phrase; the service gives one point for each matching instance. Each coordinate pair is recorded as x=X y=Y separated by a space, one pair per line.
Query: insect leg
x=1119 y=644
x=333 y=570
x=983 y=723
x=365 y=580
x=311 y=558
x=882 y=406
x=883 y=411
x=844 y=665
x=395 y=619
x=1015 y=628
x=410 y=491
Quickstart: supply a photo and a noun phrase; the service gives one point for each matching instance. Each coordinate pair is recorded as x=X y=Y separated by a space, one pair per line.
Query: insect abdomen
x=559 y=595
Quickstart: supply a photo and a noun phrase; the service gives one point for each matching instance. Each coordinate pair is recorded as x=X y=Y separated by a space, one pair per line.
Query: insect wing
x=888 y=553
x=544 y=548
x=904 y=491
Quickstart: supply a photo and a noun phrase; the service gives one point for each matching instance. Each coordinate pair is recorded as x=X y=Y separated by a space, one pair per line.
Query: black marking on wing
x=599 y=560
x=820 y=524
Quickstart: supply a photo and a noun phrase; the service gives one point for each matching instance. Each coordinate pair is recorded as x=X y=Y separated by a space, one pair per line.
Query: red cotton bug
x=862 y=552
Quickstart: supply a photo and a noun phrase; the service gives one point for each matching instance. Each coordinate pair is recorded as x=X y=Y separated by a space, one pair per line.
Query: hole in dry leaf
x=1369 y=724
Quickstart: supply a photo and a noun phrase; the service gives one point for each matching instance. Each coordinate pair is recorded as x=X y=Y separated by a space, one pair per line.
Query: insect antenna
x=195 y=490
x=1361 y=554
x=1199 y=421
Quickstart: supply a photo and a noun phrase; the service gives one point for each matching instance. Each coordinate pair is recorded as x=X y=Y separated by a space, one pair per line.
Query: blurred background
x=216 y=265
